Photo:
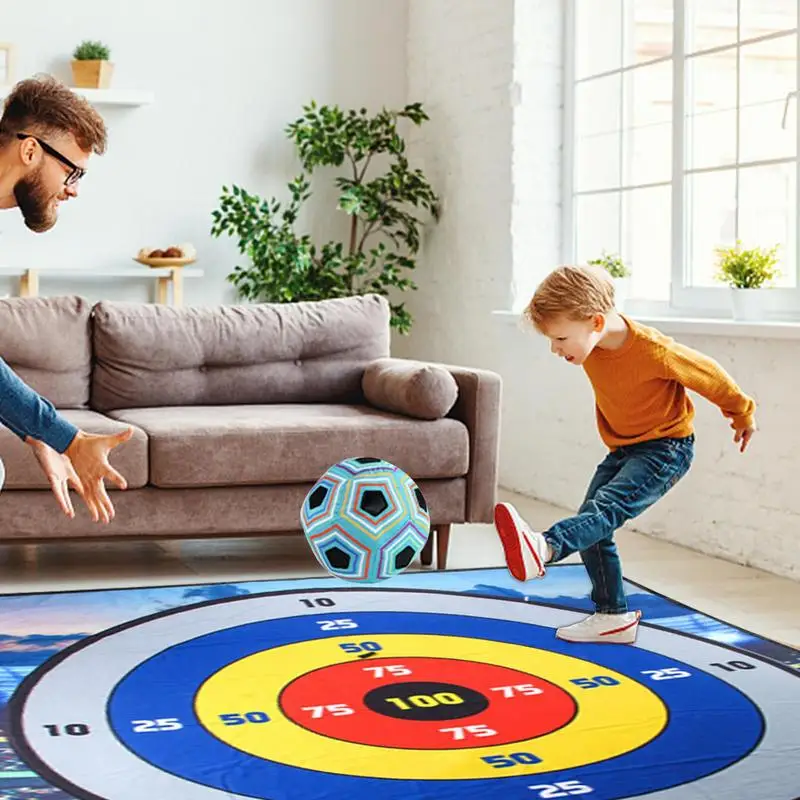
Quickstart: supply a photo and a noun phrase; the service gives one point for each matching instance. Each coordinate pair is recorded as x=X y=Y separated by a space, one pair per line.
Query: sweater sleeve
x=26 y=413
x=702 y=374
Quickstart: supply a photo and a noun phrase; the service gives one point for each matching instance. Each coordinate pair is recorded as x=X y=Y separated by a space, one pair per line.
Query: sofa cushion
x=46 y=341
x=262 y=444
x=23 y=470
x=155 y=355
x=413 y=388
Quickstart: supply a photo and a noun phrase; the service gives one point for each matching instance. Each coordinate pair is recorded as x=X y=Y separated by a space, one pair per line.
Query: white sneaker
x=616 y=628
x=525 y=550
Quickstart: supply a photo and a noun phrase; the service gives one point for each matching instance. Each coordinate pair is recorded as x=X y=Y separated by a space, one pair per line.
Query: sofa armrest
x=478 y=407
x=430 y=390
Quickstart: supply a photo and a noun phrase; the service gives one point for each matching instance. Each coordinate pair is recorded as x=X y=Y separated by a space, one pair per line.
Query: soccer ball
x=365 y=520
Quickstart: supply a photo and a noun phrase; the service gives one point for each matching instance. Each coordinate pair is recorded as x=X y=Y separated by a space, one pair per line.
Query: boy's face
x=573 y=340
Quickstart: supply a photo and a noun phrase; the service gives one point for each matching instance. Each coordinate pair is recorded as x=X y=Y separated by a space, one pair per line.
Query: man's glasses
x=76 y=172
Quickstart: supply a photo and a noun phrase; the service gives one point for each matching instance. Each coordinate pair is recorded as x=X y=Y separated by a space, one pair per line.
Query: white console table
x=166 y=278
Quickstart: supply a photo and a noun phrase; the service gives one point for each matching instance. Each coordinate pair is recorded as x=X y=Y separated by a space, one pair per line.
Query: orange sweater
x=640 y=388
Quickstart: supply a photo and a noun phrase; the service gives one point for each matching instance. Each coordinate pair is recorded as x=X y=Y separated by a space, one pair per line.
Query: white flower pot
x=622 y=290
x=750 y=305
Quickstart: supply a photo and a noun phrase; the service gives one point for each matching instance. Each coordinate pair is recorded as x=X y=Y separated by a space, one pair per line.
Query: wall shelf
x=166 y=278
x=106 y=97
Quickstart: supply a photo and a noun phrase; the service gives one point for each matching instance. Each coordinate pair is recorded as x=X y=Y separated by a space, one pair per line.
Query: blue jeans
x=627 y=482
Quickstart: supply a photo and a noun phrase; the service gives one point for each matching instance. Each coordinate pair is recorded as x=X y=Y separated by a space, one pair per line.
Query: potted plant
x=747 y=272
x=385 y=223
x=621 y=274
x=91 y=68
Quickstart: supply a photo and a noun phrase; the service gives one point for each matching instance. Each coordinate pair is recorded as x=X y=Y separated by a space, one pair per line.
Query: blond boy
x=645 y=418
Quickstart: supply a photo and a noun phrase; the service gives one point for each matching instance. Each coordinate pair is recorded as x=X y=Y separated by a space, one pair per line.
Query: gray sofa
x=237 y=410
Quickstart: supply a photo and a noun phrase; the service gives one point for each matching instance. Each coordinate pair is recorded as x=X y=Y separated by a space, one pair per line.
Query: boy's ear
x=598 y=322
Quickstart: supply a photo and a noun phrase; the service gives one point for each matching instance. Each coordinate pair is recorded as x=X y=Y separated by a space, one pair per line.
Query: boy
x=644 y=416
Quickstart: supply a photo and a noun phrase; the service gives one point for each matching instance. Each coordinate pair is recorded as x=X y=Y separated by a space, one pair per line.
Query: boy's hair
x=44 y=106
x=575 y=292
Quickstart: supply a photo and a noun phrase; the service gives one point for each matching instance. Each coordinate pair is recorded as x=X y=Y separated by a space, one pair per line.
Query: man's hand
x=744 y=435
x=88 y=453
x=60 y=472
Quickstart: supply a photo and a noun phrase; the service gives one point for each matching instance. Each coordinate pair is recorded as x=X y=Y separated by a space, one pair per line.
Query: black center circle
x=422 y=701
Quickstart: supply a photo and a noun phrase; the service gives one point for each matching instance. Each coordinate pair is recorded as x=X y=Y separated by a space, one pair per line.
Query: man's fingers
x=62 y=497
x=115 y=476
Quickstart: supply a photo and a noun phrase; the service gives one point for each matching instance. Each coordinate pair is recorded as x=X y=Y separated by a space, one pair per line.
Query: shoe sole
x=625 y=634
x=512 y=542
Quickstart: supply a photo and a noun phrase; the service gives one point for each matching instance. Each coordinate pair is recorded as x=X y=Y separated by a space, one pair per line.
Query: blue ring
x=165 y=685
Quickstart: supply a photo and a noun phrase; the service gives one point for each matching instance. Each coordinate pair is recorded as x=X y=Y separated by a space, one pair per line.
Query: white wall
x=490 y=73
x=227 y=78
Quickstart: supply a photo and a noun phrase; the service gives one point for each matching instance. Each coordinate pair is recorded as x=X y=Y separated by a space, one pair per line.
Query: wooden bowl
x=164 y=262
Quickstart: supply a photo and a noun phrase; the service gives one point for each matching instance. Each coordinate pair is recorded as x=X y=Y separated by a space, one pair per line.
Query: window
x=682 y=136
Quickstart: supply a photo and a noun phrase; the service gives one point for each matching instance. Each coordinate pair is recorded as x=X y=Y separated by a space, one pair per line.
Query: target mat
x=436 y=685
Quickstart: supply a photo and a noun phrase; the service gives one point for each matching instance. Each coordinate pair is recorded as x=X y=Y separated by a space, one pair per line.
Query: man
x=47 y=134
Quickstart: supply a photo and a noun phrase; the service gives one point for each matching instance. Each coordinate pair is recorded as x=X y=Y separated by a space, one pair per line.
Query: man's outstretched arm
x=31 y=416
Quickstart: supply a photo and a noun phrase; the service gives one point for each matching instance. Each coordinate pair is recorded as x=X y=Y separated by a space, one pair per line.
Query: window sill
x=675 y=325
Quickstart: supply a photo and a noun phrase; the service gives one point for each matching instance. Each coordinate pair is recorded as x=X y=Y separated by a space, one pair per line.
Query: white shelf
x=106 y=97
x=102 y=274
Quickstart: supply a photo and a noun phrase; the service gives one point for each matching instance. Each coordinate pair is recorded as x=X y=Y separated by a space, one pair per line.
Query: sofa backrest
x=46 y=341
x=157 y=355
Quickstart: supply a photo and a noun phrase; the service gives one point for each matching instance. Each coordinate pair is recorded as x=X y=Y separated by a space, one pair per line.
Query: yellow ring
x=611 y=720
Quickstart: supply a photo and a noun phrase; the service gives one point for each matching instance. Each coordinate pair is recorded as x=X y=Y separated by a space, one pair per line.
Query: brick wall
x=489 y=72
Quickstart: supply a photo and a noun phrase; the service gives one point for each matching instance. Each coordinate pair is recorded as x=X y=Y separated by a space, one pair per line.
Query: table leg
x=29 y=284
x=162 y=290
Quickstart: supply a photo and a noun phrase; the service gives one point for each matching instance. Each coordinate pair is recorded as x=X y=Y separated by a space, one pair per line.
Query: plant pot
x=92 y=74
x=622 y=291
x=750 y=305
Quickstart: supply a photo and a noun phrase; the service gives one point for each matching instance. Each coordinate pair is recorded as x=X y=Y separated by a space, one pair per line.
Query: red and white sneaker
x=525 y=550
x=615 y=628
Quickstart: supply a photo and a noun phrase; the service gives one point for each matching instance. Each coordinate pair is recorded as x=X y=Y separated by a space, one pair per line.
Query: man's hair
x=574 y=292
x=44 y=106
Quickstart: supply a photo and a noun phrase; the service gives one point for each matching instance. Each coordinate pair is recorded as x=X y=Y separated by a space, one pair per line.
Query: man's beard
x=38 y=210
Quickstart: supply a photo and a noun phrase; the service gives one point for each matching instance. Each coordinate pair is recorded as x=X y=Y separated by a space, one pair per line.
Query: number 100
x=426 y=700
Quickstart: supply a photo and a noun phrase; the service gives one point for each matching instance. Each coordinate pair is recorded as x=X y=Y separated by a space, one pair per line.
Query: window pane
x=768 y=213
x=768 y=75
x=597 y=127
x=710 y=23
x=597 y=219
x=711 y=110
x=598 y=106
x=711 y=222
x=649 y=26
x=648 y=123
x=597 y=163
x=598 y=36
x=761 y=17
x=647 y=241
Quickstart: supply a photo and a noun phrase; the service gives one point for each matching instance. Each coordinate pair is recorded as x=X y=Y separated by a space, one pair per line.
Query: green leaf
x=386 y=206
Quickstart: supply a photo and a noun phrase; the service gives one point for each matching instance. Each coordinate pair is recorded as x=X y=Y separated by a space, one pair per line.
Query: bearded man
x=47 y=135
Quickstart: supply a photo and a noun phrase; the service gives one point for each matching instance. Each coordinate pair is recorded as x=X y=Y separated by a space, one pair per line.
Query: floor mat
x=435 y=685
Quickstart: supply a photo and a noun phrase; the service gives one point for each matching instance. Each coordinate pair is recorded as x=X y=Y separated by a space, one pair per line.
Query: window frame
x=684 y=299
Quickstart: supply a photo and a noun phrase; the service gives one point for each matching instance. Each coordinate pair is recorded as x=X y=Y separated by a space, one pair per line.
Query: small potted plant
x=620 y=272
x=747 y=272
x=91 y=68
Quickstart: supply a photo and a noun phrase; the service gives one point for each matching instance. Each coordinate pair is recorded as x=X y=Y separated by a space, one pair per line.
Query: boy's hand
x=744 y=435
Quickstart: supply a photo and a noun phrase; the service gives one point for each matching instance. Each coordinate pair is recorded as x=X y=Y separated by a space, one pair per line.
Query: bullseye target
x=397 y=694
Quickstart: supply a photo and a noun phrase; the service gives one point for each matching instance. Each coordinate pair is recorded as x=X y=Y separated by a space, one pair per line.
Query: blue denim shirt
x=26 y=413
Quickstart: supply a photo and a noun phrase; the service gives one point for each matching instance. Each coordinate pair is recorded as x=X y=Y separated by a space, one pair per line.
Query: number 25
x=336 y=624
x=562 y=789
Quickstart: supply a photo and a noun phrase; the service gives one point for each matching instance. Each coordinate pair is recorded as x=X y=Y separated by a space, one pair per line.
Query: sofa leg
x=441 y=533
x=442 y=545
x=426 y=556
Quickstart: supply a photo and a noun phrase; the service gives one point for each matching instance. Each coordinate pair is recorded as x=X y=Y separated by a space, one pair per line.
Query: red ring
x=330 y=701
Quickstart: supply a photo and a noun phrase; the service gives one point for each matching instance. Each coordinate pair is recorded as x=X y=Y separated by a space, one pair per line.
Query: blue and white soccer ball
x=365 y=520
